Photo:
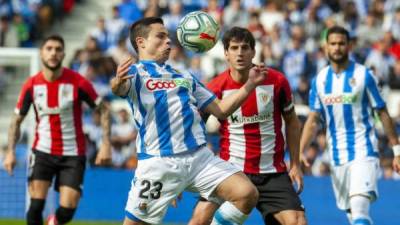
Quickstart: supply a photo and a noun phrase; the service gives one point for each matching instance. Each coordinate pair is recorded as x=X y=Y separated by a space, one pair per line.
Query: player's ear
x=140 y=42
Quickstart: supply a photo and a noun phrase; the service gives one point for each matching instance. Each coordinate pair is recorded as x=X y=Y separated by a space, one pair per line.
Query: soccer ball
x=197 y=32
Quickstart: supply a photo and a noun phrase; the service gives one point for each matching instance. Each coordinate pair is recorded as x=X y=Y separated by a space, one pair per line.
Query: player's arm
x=225 y=107
x=293 y=127
x=104 y=155
x=119 y=84
x=14 y=132
x=390 y=132
x=308 y=134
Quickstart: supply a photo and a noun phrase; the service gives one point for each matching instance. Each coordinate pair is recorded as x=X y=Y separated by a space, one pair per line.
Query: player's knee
x=252 y=196
x=64 y=215
x=34 y=214
x=301 y=220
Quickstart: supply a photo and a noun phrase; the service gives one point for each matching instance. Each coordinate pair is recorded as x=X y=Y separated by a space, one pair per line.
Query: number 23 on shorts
x=149 y=189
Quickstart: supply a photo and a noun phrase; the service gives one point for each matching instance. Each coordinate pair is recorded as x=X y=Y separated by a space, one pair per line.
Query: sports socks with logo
x=228 y=214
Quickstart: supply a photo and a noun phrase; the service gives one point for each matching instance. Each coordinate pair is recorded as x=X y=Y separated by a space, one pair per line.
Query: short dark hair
x=141 y=29
x=338 y=30
x=238 y=34
x=53 y=37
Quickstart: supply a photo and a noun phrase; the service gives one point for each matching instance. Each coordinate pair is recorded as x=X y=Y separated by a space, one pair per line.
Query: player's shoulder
x=219 y=80
x=275 y=74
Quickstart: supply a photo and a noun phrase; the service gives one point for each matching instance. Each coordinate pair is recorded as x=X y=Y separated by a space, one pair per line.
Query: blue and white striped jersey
x=165 y=105
x=345 y=101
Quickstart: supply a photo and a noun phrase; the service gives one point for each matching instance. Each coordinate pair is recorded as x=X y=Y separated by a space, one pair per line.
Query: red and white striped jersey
x=58 y=111
x=252 y=136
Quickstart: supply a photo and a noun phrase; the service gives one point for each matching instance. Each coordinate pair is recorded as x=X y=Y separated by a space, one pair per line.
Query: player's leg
x=41 y=173
x=363 y=189
x=71 y=170
x=278 y=202
x=215 y=178
x=157 y=182
x=203 y=213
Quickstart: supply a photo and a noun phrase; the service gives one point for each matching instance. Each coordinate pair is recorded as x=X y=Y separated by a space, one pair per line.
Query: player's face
x=337 y=48
x=52 y=54
x=158 y=44
x=239 y=55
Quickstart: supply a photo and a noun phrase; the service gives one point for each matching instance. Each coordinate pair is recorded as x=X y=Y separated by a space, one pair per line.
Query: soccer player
x=252 y=139
x=171 y=142
x=58 y=150
x=345 y=93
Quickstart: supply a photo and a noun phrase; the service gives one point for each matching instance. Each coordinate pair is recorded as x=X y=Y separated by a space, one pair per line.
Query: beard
x=340 y=60
x=52 y=68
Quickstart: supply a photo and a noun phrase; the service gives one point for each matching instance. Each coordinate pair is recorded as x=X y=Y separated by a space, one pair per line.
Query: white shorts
x=355 y=178
x=159 y=180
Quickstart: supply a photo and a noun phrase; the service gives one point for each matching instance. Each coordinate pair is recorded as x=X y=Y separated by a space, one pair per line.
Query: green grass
x=22 y=222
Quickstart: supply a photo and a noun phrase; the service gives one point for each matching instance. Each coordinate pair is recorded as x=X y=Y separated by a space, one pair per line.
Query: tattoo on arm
x=105 y=120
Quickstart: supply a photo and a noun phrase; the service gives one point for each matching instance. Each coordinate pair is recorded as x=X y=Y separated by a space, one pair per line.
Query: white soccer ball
x=198 y=31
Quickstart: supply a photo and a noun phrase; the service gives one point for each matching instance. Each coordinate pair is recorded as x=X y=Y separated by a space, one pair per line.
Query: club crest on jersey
x=165 y=84
x=265 y=98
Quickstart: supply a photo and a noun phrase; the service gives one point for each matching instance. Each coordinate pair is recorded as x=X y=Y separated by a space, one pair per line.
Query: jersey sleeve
x=313 y=99
x=87 y=93
x=285 y=96
x=372 y=90
x=203 y=96
x=25 y=98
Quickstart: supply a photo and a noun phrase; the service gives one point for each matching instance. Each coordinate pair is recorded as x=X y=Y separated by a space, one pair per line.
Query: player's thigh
x=277 y=197
x=290 y=217
x=364 y=177
x=235 y=187
x=340 y=176
x=203 y=212
x=211 y=176
x=71 y=171
x=157 y=182
x=69 y=197
x=40 y=174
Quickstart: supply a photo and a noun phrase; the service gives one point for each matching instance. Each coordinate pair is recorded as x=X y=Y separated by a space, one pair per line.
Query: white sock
x=359 y=205
x=228 y=214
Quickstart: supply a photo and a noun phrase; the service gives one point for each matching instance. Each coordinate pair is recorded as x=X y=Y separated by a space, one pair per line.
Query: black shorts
x=276 y=193
x=67 y=170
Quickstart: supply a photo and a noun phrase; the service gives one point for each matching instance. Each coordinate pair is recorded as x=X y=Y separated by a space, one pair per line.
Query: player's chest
x=341 y=90
x=54 y=99
x=165 y=89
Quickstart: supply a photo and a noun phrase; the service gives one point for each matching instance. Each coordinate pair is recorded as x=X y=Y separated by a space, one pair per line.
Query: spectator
x=235 y=15
x=214 y=10
x=116 y=27
x=271 y=16
x=120 y=52
x=380 y=59
x=93 y=133
x=22 y=31
x=172 y=19
x=102 y=35
x=369 y=31
x=8 y=34
x=129 y=11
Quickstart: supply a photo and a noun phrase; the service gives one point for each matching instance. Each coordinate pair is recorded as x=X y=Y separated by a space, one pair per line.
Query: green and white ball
x=198 y=31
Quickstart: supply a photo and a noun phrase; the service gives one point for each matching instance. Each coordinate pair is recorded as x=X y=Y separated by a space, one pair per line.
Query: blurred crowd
x=290 y=37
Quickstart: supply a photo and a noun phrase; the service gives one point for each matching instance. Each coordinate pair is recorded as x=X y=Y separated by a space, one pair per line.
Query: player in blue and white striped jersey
x=345 y=94
x=171 y=144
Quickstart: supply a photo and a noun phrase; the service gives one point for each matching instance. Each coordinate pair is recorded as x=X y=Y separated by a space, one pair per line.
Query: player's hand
x=174 y=202
x=123 y=69
x=257 y=75
x=396 y=164
x=103 y=157
x=296 y=175
x=118 y=83
x=304 y=160
x=9 y=162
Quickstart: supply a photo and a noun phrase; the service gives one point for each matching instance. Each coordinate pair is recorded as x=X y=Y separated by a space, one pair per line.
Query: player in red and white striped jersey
x=58 y=150
x=252 y=138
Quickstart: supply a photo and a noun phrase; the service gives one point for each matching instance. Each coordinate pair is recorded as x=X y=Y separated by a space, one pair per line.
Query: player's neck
x=51 y=75
x=339 y=67
x=239 y=76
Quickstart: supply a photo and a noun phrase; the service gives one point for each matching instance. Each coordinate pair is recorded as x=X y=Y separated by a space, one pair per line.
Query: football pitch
x=22 y=222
